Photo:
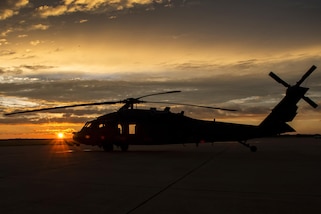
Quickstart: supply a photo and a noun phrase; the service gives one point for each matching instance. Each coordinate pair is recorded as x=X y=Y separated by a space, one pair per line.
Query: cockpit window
x=87 y=125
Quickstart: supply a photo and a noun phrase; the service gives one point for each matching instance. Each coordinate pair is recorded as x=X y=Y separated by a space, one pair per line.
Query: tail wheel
x=252 y=148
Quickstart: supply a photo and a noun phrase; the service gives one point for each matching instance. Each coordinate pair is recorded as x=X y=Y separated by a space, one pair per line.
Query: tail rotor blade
x=310 y=102
x=308 y=73
x=278 y=79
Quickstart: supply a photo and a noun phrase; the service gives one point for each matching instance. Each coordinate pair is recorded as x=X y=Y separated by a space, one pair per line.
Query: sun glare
x=60 y=135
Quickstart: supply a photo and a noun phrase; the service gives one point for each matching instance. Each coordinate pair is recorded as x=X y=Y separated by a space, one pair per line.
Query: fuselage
x=148 y=127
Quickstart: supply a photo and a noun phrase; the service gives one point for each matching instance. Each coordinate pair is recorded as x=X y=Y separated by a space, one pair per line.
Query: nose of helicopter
x=75 y=136
x=81 y=138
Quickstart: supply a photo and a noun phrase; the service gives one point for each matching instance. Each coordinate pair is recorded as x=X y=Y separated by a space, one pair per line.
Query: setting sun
x=60 y=135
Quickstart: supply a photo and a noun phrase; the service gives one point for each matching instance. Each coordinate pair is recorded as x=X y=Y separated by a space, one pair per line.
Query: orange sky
x=218 y=53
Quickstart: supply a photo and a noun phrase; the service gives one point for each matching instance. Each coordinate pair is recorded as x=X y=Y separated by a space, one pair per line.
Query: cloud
x=22 y=36
x=94 y=6
x=46 y=11
x=9 y=102
x=19 y=70
x=7 y=52
x=83 y=21
x=12 y=71
x=4 y=14
x=37 y=67
x=3 y=42
x=6 y=32
x=112 y=17
x=39 y=27
x=9 y=8
x=21 y=28
x=35 y=42
x=230 y=84
x=254 y=96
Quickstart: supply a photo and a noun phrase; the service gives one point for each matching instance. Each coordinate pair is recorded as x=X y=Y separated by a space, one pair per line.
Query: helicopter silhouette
x=130 y=126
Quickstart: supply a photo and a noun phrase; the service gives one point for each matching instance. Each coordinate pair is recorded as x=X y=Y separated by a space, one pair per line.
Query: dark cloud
x=12 y=71
x=37 y=67
x=18 y=70
x=218 y=83
x=94 y=6
x=9 y=8
x=7 y=52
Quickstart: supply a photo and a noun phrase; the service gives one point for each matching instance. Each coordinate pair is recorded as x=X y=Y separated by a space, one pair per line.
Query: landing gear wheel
x=124 y=147
x=108 y=147
x=253 y=148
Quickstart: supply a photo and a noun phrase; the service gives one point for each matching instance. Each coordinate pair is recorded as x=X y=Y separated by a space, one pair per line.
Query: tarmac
x=283 y=176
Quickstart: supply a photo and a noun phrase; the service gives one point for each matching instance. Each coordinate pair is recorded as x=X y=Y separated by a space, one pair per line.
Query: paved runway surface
x=284 y=176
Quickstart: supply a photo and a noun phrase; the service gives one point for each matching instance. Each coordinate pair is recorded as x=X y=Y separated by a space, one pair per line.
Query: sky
x=218 y=53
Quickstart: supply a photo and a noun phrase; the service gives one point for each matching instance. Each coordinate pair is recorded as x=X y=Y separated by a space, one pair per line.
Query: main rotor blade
x=62 y=107
x=198 y=106
x=129 y=100
x=149 y=95
x=278 y=79
x=308 y=73
x=309 y=101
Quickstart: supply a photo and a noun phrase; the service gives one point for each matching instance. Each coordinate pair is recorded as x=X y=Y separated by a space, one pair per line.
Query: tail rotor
x=297 y=85
x=286 y=110
x=279 y=80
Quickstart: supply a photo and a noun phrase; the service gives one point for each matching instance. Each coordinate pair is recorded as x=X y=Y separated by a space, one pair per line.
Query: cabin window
x=102 y=125
x=132 y=128
x=120 y=129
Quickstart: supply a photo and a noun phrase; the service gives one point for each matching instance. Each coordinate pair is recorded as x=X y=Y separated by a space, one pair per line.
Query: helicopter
x=132 y=126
